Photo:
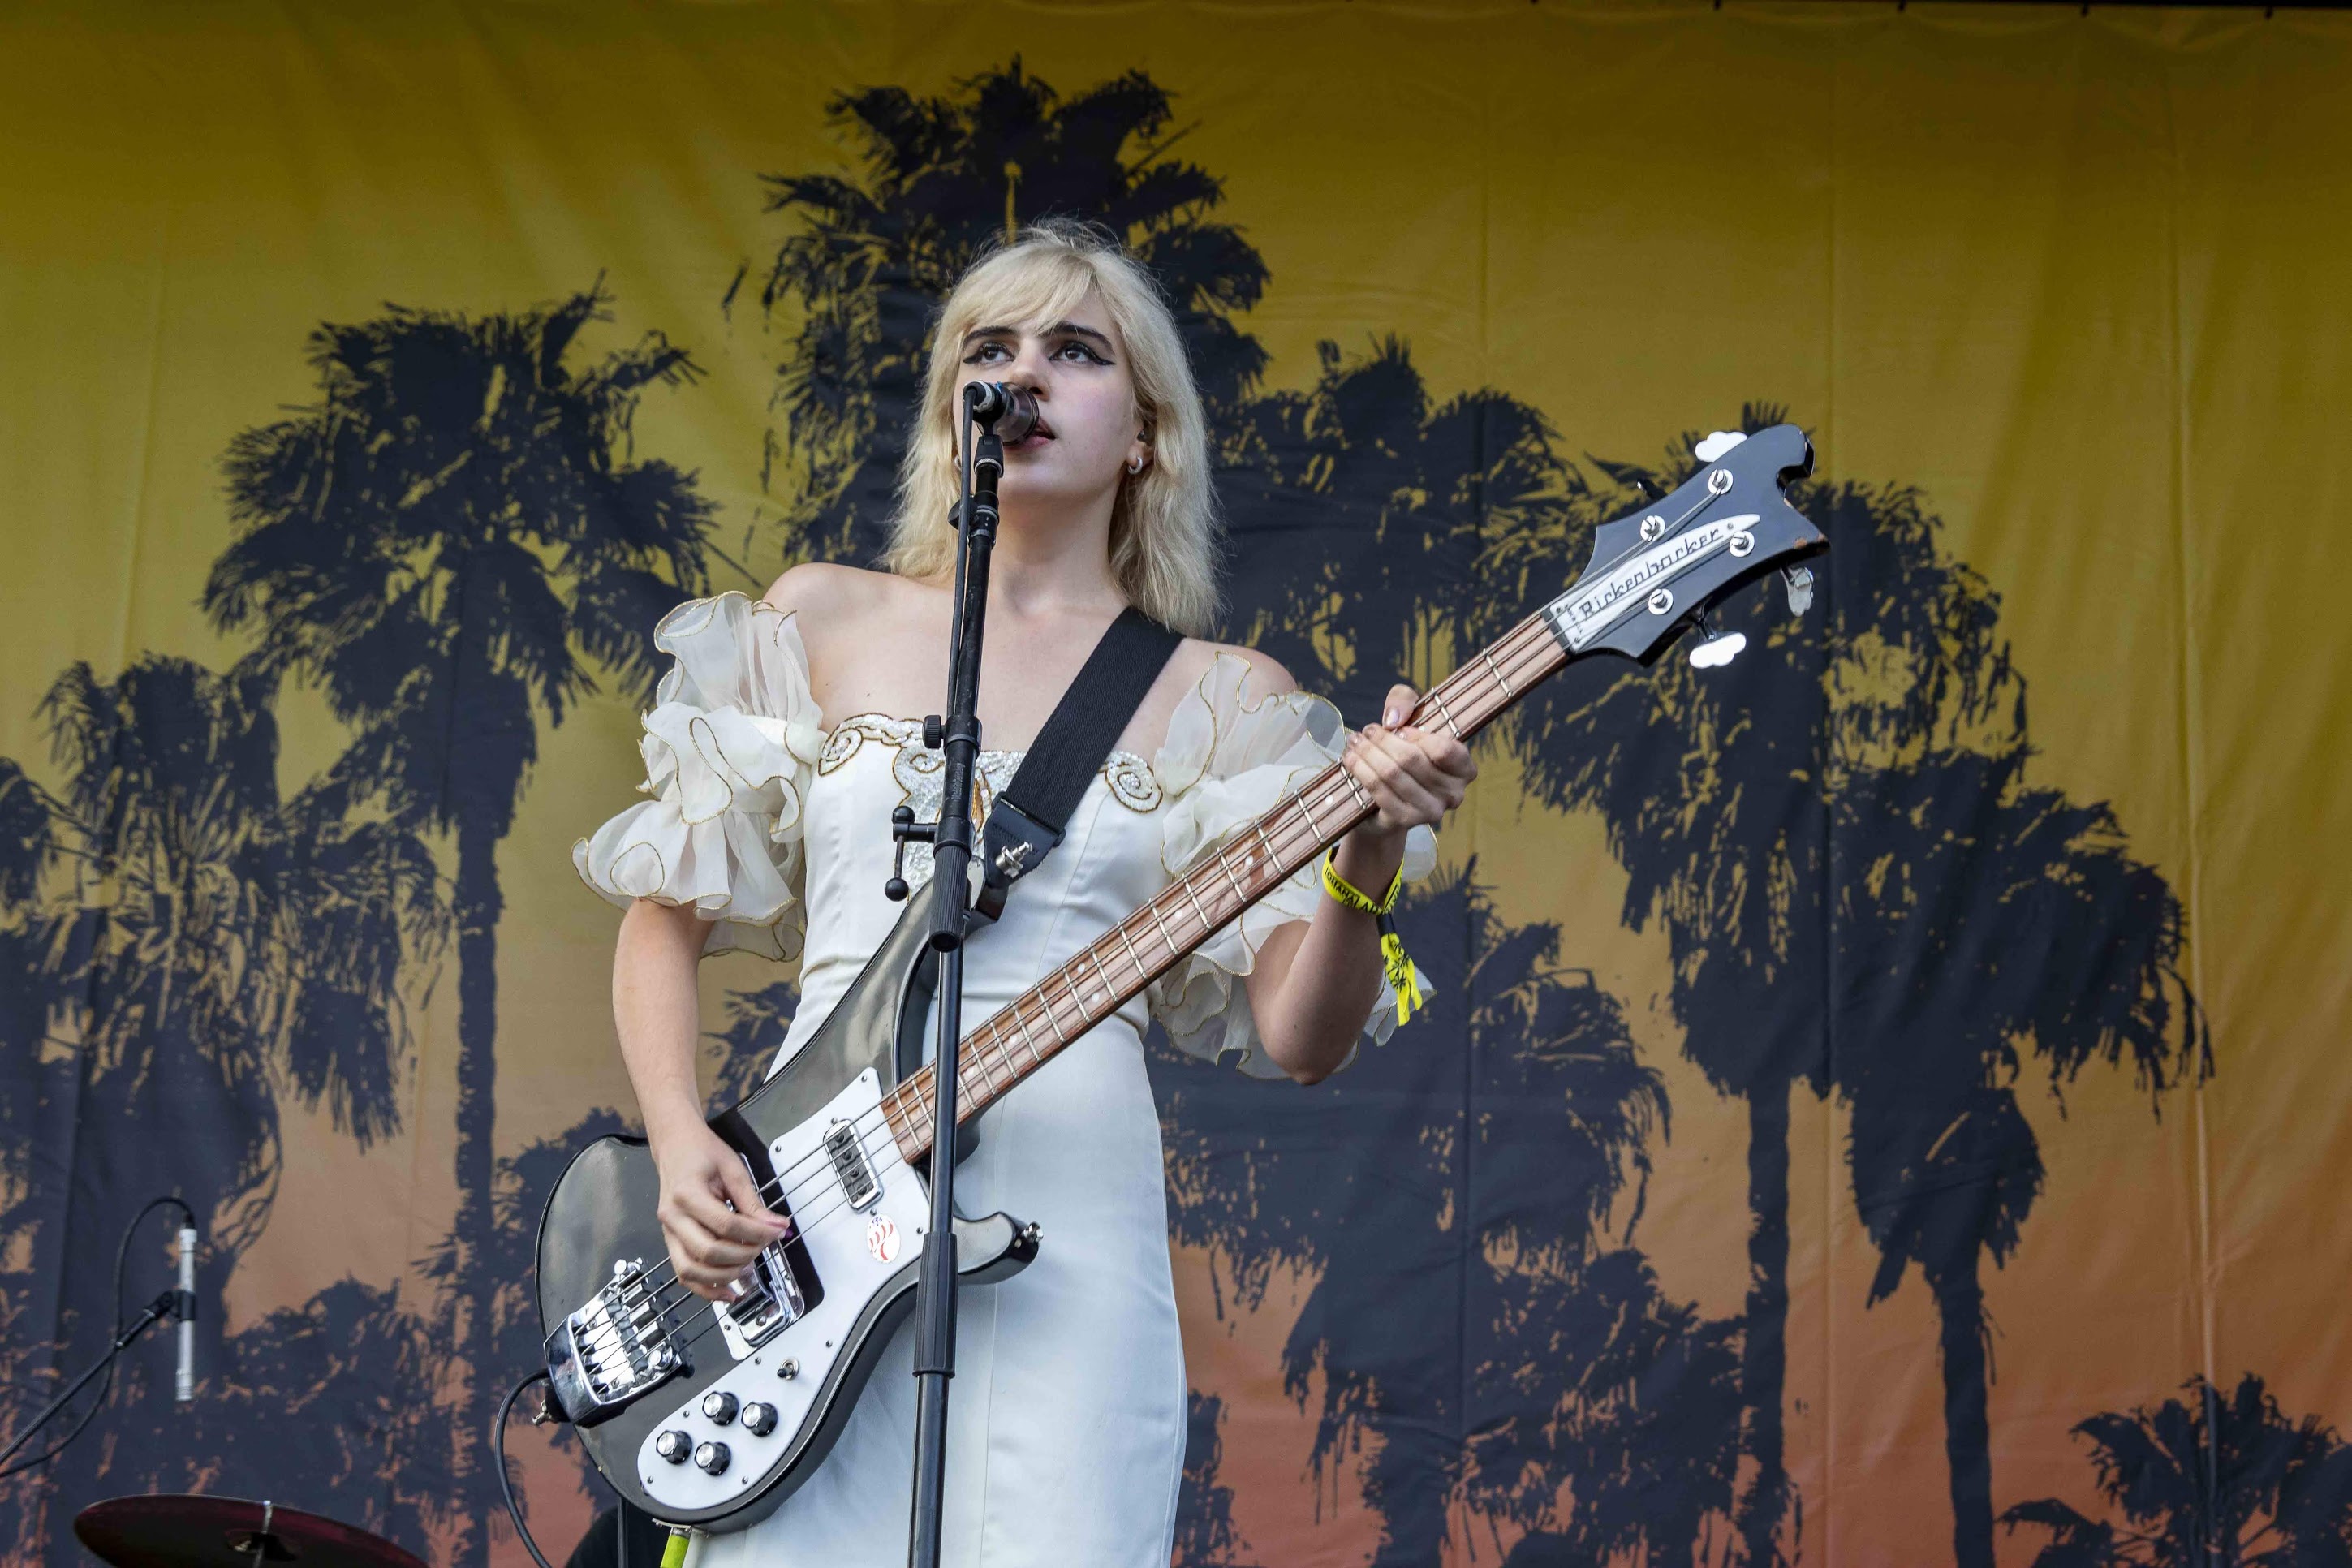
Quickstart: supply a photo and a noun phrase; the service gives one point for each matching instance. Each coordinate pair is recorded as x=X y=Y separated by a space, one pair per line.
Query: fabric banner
x=1884 y=1100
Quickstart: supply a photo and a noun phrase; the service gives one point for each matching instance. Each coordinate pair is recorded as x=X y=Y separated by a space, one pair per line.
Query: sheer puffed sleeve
x=1229 y=760
x=730 y=748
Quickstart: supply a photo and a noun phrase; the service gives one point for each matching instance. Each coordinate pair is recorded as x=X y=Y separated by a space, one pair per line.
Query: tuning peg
x=1714 y=648
x=1800 y=588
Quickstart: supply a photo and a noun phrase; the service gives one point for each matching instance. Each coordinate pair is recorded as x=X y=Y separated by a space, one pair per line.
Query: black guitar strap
x=1032 y=813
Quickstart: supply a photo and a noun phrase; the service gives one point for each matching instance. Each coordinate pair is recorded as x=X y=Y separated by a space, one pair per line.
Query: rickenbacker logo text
x=1584 y=613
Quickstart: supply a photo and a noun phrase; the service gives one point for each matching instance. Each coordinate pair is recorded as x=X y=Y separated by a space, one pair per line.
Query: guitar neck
x=1099 y=979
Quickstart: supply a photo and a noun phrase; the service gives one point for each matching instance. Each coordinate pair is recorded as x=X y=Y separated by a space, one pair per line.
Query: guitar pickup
x=854 y=1170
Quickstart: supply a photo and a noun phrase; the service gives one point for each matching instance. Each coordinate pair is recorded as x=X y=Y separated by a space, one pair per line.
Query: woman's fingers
x=701 y=1260
x=1404 y=801
x=755 y=1222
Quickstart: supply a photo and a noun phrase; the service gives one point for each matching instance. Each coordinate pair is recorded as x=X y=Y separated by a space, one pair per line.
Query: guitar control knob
x=674 y=1445
x=718 y=1407
x=712 y=1458
x=759 y=1419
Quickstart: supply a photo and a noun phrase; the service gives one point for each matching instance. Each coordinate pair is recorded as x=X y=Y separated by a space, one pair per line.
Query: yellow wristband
x=1348 y=894
x=1411 y=991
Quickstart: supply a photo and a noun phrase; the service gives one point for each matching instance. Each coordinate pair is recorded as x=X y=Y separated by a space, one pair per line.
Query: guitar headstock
x=1660 y=568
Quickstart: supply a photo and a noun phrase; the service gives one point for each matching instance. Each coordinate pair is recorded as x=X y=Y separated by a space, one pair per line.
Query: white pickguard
x=840 y=1241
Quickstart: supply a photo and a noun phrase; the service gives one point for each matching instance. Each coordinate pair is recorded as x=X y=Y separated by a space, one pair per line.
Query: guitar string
x=1329 y=787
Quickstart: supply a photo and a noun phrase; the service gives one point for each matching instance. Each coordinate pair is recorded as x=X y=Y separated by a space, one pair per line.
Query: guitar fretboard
x=1099 y=979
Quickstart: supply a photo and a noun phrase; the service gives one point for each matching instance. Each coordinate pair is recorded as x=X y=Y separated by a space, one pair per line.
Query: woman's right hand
x=711 y=1245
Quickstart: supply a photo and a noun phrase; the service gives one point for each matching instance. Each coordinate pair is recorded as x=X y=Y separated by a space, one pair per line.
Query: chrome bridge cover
x=772 y=1301
x=612 y=1350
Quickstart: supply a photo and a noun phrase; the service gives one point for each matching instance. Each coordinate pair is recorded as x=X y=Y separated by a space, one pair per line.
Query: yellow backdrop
x=2075 y=279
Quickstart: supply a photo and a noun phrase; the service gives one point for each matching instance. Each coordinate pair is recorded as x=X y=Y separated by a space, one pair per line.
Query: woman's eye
x=1087 y=353
x=981 y=354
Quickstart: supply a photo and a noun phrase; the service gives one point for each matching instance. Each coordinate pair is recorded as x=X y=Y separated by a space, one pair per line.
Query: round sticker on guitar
x=882 y=1238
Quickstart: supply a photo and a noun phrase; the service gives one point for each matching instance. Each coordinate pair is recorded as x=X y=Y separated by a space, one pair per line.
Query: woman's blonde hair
x=1163 y=525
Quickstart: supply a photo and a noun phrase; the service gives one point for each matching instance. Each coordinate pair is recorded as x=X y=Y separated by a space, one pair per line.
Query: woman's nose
x=1028 y=368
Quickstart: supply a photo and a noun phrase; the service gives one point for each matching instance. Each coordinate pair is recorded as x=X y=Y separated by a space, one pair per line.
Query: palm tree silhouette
x=1480 y=1325
x=443 y=543
x=1363 y=511
x=212 y=949
x=2206 y=1481
x=1205 y=1531
x=1712 y=786
x=940 y=177
x=1976 y=915
x=28 y=992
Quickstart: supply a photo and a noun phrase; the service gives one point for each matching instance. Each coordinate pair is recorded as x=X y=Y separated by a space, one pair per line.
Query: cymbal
x=169 y=1532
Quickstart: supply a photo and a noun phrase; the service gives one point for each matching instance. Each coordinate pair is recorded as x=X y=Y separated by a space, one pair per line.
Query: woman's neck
x=1043 y=565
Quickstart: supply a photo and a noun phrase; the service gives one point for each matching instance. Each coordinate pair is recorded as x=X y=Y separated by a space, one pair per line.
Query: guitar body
x=633 y=1362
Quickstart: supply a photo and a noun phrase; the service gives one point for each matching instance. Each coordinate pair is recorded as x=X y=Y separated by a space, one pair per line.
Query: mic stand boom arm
x=168 y=1305
x=935 y=1297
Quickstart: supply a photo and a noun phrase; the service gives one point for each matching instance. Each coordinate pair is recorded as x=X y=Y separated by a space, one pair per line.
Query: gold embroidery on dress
x=920 y=775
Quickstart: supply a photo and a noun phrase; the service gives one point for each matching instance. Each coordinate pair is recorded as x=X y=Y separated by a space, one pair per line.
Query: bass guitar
x=713 y=1415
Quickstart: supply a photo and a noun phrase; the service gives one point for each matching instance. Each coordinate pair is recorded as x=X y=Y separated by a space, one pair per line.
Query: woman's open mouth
x=1032 y=441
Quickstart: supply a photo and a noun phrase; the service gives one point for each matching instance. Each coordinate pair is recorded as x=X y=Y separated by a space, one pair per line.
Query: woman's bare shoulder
x=820 y=591
x=1194 y=655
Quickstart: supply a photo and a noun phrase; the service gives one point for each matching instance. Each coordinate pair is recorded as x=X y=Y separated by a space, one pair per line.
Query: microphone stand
x=951 y=840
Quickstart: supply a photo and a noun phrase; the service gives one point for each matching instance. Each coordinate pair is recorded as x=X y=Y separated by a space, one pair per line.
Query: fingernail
x=1392 y=718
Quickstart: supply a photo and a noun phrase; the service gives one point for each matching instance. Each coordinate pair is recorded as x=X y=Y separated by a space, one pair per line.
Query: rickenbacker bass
x=712 y=1415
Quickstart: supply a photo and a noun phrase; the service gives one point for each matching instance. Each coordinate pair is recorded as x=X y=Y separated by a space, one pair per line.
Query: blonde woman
x=1067 y=1432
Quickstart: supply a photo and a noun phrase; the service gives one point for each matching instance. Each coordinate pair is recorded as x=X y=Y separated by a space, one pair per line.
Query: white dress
x=1067 y=1412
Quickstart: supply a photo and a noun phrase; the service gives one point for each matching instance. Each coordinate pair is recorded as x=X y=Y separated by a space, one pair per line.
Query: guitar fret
x=1021 y=1028
x=983 y=1056
x=1200 y=914
x=1055 y=1019
x=1313 y=827
x=1153 y=910
x=1361 y=798
x=1438 y=697
x=1226 y=866
x=1070 y=984
x=1488 y=658
x=1142 y=973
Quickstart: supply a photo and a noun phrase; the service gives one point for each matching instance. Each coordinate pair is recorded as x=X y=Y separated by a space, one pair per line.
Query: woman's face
x=1088 y=429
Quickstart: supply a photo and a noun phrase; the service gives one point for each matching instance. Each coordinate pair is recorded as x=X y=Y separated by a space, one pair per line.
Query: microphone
x=184 y=1382
x=1009 y=411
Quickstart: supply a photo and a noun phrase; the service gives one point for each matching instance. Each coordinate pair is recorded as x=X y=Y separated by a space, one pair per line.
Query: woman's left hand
x=1414 y=776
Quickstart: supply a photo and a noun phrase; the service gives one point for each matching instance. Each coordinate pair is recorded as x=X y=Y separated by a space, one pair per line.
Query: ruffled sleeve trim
x=1230 y=759
x=729 y=747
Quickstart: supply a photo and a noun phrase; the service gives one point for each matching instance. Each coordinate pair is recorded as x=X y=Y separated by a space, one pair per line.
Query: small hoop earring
x=1134 y=465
